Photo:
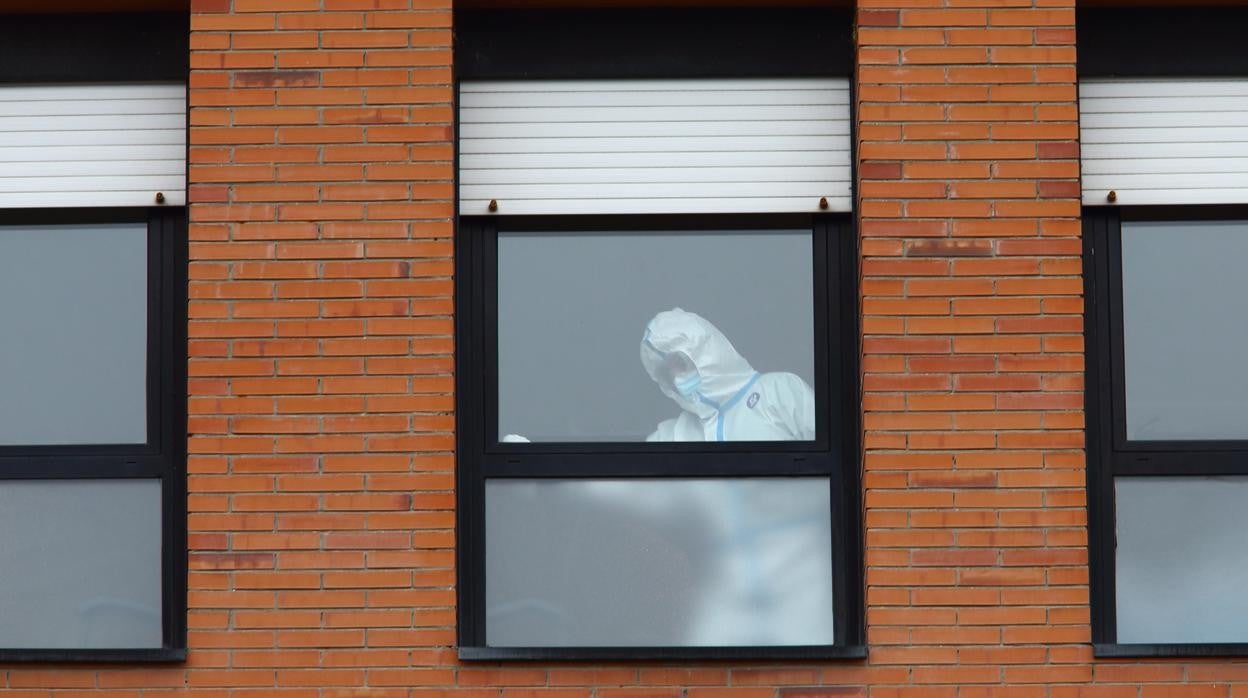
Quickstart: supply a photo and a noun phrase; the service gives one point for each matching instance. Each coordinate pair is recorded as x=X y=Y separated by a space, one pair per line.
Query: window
x=93 y=254
x=1167 y=419
x=92 y=418
x=619 y=511
x=656 y=344
x=1161 y=134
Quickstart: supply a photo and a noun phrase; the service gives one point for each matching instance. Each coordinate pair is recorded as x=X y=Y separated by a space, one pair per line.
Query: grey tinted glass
x=658 y=563
x=1184 y=329
x=1182 y=559
x=80 y=564
x=573 y=309
x=73 y=352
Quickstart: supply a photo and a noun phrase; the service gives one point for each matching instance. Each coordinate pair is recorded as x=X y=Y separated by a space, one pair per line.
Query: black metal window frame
x=163 y=455
x=1178 y=40
x=833 y=454
x=1110 y=453
x=653 y=42
x=94 y=47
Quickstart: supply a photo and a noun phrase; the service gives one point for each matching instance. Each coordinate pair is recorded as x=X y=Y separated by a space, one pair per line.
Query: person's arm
x=665 y=431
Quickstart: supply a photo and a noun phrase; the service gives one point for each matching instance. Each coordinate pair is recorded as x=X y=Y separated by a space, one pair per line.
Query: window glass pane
x=73 y=352
x=585 y=355
x=1184 y=330
x=80 y=564
x=658 y=563
x=1182 y=559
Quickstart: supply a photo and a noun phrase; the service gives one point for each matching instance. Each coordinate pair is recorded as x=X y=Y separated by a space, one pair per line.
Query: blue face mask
x=688 y=385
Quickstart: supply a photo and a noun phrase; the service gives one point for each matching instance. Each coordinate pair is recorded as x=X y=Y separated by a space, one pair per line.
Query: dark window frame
x=1162 y=41
x=833 y=454
x=1110 y=453
x=163 y=455
x=94 y=47
x=652 y=42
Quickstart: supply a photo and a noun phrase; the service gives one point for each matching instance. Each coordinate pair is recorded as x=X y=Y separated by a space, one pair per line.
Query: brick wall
x=971 y=293
x=320 y=410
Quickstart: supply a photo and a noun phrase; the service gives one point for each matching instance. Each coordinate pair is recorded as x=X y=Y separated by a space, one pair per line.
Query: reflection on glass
x=573 y=307
x=80 y=564
x=1184 y=329
x=658 y=563
x=73 y=348
x=1182 y=563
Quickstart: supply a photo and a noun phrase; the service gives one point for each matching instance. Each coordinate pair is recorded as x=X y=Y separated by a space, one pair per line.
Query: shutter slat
x=657 y=190
x=103 y=199
x=742 y=158
x=605 y=98
x=1153 y=151
x=663 y=129
x=88 y=153
x=654 y=86
x=643 y=175
x=609 y=117
x=533 y=207
x=90 y=184
x=1180 y=165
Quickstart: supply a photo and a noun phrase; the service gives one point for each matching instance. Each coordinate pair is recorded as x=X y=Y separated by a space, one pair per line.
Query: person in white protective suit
x=723 y=397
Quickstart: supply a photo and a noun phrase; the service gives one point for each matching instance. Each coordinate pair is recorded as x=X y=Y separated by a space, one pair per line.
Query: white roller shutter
x=654 y=146
x=68 y=146
x=1164 y=141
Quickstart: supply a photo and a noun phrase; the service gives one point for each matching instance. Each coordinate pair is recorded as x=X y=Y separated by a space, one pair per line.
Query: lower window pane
x=80 y=564
x=1182 y=563
x=658 y=562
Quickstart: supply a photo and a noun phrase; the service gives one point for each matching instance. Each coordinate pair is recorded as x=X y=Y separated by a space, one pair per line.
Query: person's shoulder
x=780 y=379
x=781 y=388
x=778 y=376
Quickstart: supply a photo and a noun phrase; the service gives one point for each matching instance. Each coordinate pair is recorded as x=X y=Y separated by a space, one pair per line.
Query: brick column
x=321 y=470
x=974 y=467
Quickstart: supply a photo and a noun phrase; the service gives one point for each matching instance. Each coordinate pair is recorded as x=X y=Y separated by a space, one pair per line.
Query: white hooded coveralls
x=733 y=402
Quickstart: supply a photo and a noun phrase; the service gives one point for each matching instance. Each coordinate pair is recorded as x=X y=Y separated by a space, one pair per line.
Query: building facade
x=988 y=320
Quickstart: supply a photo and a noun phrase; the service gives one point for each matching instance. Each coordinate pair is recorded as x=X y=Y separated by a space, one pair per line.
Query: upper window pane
x=661 y=336
x=73 y=352
x=1183 y=288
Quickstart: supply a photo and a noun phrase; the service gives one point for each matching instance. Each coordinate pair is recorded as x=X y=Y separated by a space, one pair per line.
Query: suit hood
x=723 y=371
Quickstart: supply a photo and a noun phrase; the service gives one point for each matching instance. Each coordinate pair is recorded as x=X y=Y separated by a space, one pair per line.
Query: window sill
x=158 y=655
x=1225 y=649
x=663 y=653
